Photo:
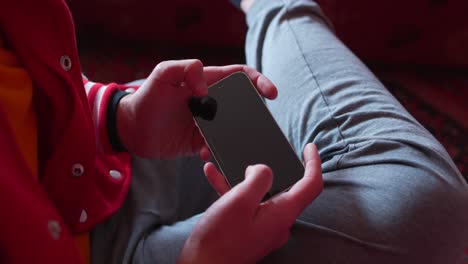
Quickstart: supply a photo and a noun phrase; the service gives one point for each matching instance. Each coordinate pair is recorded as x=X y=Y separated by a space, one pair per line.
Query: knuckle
x=246 y=68
x=163 y=67
x=192 y=65
x=196 y=63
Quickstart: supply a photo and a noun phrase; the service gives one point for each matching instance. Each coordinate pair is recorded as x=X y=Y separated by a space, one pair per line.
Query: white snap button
x=77 y=170
x=115 y=174
x=130 y=90
x=54 y=229
x=83 y=216
x=65 y=62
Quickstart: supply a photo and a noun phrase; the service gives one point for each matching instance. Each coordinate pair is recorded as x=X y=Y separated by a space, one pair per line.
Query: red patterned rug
x=437 y=99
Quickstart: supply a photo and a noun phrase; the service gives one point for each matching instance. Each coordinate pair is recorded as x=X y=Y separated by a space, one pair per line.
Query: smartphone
x=240 y=131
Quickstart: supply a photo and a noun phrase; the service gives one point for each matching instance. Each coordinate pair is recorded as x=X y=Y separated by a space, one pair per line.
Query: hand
x=238 y=228
x=155 y=121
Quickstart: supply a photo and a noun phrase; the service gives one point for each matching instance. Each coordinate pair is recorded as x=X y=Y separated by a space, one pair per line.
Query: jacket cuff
x=100 y=100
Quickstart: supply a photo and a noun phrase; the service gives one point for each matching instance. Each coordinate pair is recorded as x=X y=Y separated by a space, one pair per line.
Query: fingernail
x=309 y=146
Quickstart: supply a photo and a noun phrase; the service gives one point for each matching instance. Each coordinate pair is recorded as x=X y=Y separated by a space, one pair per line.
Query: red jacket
x=82 y=180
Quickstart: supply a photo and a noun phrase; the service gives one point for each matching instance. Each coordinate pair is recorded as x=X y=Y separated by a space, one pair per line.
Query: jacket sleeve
x=103 y=100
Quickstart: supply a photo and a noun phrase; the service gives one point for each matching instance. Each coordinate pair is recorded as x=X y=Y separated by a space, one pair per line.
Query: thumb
x=303 y=192
x=258 y=181
x=188 y=73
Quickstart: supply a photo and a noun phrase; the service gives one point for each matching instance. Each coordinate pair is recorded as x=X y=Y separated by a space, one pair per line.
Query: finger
x=195 y=79
x=305 y=190
x=177 y=73
x=258 y=181
x=216 y=179
x=264 y=86
x=205 y=153
x=311 y=154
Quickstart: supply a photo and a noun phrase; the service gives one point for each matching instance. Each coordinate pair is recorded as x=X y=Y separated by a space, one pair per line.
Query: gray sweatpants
x=392 y=193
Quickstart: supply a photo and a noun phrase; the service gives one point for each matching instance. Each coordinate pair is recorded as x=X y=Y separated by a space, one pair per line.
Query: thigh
x=379 y=213
x=326 y=95
x=390 y=187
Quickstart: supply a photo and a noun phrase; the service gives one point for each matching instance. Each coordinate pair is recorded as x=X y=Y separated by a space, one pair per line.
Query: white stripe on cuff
x=88 y=86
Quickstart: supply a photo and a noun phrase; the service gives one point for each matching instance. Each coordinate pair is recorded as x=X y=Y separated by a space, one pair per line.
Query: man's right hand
x=239 y=228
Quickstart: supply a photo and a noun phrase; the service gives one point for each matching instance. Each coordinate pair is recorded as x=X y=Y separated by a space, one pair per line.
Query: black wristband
x=111 y=121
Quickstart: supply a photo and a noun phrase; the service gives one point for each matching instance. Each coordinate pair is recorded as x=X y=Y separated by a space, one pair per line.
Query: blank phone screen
x=243 y=132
